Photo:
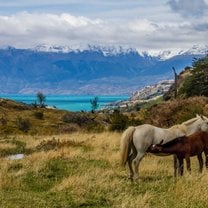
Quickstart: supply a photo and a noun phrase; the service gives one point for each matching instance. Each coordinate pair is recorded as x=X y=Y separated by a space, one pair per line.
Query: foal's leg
x=200 y=159
x=136 y=161
x=188 y=163
x=181 y=165
x=206 y=157
x=176 y=165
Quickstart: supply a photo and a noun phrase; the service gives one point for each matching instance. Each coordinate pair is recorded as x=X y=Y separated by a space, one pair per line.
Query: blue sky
x=152 y=25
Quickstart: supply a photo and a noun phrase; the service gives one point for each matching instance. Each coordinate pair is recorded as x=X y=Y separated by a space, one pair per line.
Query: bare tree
x=41 y=99
x=175 y=83
x=94 y=103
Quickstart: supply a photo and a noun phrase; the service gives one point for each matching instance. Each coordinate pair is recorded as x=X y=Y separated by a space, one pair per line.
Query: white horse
x=135 y=141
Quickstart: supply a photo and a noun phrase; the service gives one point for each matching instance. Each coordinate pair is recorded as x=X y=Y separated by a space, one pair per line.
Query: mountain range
x=93 y=70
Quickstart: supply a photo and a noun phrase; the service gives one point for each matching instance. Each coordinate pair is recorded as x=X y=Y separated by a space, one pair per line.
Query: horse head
x=198 y=123
x=203 y=123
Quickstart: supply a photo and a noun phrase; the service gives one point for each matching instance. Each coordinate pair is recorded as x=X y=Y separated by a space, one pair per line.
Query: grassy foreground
x=83 y=170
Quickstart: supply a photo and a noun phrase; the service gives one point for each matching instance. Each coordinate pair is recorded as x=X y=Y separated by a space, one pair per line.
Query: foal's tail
x=126 y=139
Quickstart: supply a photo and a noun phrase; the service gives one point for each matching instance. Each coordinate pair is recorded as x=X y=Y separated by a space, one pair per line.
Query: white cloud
x=155 y=31
x=189 y=8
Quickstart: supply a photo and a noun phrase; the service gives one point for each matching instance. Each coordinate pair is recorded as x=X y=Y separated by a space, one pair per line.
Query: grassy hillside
x=19 y=118
x=83 y=170
x=173 y=112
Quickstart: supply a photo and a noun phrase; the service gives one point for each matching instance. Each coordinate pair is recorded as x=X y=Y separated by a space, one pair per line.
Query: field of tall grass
x=83 y=170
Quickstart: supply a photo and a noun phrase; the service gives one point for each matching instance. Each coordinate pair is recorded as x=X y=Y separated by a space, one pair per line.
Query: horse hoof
x=135 y=178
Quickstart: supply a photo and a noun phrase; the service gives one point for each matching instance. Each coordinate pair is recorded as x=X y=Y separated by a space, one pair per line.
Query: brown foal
x=185 y=147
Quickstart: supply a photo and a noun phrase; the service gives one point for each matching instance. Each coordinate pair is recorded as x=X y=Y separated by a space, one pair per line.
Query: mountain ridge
x=26 y=71
x=116 y=50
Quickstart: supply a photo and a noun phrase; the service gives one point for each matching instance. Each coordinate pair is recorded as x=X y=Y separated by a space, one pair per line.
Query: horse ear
x=197 y=115
x=202 y=117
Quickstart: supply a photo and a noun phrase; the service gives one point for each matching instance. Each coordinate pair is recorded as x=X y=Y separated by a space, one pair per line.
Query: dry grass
x=177 y=111
x=6 y=146
x=90 y=175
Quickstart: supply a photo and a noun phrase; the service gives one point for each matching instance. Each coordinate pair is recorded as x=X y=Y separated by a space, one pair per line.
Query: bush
x=38 y=115
x=95 y=127
x=175 y=112
x=197 y=83
x=56 y=143
x=23 y=124
x=119 y=121
x=77 y=118
x=3 y=120
x=68 y=128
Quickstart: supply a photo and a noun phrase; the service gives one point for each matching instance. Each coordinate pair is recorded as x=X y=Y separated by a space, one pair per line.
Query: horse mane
x=179 y=126
x=190 y=121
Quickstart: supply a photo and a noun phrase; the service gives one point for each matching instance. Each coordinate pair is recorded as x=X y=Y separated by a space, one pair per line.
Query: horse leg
x=176 y=165
x=130 y=159
x=206 y=158
x=181 y=165
x=137 y=160
x=188 y=163
x=200 y=159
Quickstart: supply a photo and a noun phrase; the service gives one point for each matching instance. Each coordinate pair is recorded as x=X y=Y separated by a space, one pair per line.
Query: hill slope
x=191 y=81
x=20 y=118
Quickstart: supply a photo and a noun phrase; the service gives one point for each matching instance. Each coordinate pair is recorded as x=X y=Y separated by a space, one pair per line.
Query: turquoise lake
x=68 y=102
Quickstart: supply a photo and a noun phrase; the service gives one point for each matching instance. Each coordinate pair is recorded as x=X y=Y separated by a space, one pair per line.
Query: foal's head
x=175 y=143
x=156 y=148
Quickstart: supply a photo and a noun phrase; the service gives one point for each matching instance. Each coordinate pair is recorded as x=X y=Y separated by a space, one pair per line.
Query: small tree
x=175 y=82
x=41 y=99
x=118 y=121
x=94 y=103
x=197 y=83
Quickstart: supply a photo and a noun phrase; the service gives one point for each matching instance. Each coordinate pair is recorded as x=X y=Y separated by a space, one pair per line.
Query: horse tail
x=126 y=139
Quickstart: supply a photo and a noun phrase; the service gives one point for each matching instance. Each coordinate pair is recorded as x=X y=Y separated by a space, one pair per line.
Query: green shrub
x=119 y=121
x=3 y=120
x=78 y=118
x=38 y=115
x=189 y=111
x=23 y=124
x=197 y=83
x=95 y=127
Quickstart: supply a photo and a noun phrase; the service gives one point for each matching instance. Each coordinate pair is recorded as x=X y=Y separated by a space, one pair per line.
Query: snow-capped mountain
x=115 y=50
x=203 y=50
x=91 y=70
x=167 y=54
x=105 y=50
x=53 y=48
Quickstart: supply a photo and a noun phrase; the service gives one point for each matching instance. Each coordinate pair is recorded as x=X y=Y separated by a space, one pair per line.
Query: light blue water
x=68 y=102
